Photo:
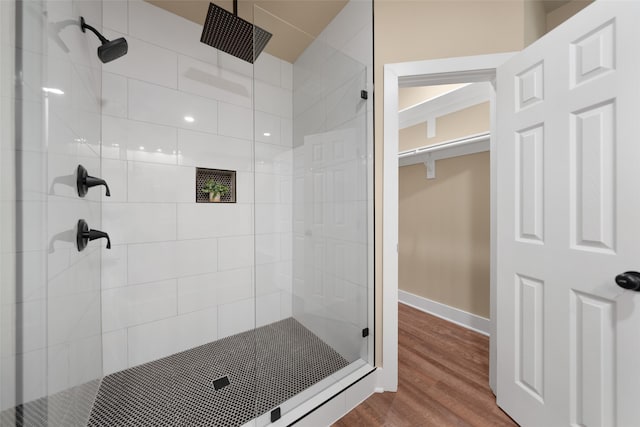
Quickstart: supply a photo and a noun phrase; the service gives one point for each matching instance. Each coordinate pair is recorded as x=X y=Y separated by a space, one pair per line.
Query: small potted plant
x=215 y=190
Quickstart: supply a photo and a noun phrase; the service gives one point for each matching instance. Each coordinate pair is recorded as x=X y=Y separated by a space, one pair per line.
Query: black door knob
x=629 y=280
x=84 y=182
x=85 y=235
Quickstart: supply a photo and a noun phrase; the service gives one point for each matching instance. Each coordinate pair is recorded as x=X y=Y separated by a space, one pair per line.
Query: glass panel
x=178 y=299
x=31 y=215
x=71 y=93
x=313 y=164
x=72 y=133
x=8 y=303
x=55 y=289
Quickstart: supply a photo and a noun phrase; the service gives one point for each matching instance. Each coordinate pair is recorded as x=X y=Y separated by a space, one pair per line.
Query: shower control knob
x=84 y=182
x=85 y=235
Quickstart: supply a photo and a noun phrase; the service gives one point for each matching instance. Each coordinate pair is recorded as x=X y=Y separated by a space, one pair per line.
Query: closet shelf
x=458 y=99
x=428 y=154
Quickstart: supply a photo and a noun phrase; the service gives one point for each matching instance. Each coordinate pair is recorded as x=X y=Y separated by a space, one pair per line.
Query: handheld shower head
x=110 y=49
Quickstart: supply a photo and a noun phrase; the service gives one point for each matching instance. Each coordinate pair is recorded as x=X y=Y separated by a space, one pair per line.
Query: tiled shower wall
x=181 y=274
x=332 y=280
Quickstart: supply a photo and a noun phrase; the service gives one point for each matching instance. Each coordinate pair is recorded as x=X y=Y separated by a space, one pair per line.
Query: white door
x=568 y=120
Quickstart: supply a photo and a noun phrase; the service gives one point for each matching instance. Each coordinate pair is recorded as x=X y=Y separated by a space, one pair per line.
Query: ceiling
x=294 y=24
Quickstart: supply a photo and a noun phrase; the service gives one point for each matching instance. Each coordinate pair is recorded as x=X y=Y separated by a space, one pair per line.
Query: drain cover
x=221 y=382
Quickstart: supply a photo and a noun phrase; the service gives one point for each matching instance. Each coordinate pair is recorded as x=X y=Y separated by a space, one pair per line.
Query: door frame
x=468 y=69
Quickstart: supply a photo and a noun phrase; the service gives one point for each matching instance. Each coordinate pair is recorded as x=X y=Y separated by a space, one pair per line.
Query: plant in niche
x=215 y=189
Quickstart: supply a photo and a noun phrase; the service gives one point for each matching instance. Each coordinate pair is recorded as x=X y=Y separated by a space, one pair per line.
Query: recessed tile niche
x=225 y=177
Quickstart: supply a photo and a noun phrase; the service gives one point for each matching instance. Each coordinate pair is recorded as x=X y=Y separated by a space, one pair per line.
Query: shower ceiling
x=294 y=24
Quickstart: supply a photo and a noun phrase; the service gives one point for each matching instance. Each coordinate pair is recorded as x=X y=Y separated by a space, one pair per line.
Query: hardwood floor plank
x=443 y=379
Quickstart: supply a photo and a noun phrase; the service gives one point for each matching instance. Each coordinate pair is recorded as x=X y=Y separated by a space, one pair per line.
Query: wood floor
x=443 y=379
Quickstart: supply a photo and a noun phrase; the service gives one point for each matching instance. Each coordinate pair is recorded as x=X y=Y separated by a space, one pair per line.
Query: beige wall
x=535 y=21
x=444 y=251
x=561 y=14
x=444 y=227
x=417 y=30
x=444 y=232
x=465 y=122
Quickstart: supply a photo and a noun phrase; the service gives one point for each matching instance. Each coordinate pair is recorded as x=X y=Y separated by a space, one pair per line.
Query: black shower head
x=229 y=33
x=110 y=49
x=113 y=49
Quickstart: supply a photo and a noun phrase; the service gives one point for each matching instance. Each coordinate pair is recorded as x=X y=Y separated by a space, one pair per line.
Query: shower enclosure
x=201 y=312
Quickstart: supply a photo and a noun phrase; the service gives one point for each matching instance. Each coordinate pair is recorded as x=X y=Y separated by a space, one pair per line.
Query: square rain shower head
x=231 y=34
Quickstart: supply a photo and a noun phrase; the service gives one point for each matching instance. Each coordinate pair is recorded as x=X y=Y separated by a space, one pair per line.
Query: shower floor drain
x=221 y=383
x=262 y=368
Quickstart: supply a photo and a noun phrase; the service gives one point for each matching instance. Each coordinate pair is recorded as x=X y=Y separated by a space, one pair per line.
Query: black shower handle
x=85 y=235
x=84 y=182
x=97 y=234
x=92 y=181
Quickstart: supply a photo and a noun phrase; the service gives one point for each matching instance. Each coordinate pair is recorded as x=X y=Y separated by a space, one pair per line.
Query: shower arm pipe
x=102 y=38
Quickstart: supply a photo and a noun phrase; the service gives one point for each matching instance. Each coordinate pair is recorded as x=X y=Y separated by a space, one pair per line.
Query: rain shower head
x=110 y=49
x=229 y=33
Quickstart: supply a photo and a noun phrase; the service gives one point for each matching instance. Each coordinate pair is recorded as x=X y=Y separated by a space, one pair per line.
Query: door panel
x=568 y=203
x=530 y=348
x=529 y=186
x=592 y=360
x=592 y=148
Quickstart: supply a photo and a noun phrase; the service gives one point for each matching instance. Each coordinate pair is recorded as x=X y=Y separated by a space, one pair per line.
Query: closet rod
x=445 y=145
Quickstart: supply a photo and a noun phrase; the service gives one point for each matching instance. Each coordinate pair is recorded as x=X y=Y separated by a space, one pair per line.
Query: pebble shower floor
x=265 y=367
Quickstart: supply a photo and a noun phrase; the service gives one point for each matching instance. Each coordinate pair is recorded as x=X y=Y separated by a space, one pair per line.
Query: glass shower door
x=313 y=199
x=53 y=297
x=331 y=259
x=8 y=353
x=71 y=132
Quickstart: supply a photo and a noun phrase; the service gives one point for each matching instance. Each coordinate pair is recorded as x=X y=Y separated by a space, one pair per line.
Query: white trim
x=446 y=312
x=493 y=313
x=389 y=374
x=446 y=103
x=463 y=69
x=418 y=73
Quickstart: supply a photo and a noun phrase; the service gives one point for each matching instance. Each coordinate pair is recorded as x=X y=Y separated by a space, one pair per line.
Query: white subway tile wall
x=181 y=274
x=236 y=317
x=211 y=81
x=144 y=61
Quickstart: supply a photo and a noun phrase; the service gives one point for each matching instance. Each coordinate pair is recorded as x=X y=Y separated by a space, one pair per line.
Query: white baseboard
x=457 y=316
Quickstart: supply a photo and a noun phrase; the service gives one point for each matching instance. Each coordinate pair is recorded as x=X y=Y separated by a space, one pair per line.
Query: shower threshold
x=264 y=368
